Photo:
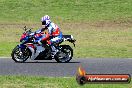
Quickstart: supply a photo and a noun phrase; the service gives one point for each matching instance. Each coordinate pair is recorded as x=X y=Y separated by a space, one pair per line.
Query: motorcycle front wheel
x=20 y=56
x=65 y=54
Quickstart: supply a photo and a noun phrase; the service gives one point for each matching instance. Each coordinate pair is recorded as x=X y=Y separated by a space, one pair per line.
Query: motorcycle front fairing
x=35 y=50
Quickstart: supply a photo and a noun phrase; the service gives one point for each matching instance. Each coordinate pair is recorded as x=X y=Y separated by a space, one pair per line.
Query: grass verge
x=102 y=28
x=94 y=40
x=64 y=10
x=50 y=82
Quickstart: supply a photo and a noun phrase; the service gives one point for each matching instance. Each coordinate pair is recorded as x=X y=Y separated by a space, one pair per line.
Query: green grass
x=104 y=42
x=64 y=10
x=50 y=82
x=102 y=28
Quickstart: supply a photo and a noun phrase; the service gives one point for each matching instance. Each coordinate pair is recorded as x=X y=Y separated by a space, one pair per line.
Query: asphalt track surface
x=54 y=69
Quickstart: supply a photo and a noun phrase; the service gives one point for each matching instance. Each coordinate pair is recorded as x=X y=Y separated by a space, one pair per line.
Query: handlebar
x=27 y=29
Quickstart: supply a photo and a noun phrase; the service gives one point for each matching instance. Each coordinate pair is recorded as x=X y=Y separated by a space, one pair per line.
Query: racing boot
x=54 y=51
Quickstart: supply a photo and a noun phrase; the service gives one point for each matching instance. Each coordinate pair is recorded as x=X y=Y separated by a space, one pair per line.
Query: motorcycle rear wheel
x=65 y=55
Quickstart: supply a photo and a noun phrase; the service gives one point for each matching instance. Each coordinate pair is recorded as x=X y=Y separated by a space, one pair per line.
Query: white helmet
x=45 y=20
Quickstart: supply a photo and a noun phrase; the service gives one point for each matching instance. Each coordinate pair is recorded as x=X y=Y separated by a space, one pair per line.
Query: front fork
x=22 y=48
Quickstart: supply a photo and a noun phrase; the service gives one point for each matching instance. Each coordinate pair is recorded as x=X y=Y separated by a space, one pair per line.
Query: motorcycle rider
x=54 y=34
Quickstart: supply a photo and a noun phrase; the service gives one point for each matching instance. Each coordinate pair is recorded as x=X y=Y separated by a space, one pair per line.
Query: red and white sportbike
x=29 y=49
